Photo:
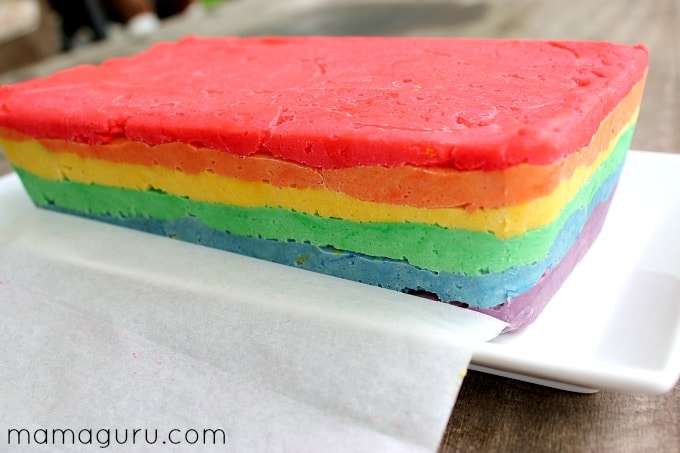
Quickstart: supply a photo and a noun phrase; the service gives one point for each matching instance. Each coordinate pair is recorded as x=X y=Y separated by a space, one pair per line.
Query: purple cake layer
x=523 y=309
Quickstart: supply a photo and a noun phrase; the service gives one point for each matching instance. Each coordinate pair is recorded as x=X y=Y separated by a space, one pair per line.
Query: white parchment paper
x=107 y=328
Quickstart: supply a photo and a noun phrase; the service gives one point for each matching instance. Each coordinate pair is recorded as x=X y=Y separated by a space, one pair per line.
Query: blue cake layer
x=482 y=291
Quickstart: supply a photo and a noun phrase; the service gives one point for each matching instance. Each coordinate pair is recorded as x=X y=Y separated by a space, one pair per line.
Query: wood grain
x=498 y=414
x=492 y=413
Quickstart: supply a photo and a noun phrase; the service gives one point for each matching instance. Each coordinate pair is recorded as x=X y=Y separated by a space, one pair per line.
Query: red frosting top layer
x=339 y=102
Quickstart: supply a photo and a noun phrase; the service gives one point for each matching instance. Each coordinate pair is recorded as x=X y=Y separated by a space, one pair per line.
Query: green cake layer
x=466 y=252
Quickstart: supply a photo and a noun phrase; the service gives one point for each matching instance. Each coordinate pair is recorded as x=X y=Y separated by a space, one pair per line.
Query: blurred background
x=31 y=30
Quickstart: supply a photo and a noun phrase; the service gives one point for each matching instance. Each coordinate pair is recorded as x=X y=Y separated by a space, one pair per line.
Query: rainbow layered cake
x=476 y=172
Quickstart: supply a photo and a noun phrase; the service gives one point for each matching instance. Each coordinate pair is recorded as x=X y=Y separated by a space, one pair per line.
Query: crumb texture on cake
x=474 y=171
x=467 y=104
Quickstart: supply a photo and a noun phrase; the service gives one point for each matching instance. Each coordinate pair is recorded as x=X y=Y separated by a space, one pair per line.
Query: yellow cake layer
x=505 y=222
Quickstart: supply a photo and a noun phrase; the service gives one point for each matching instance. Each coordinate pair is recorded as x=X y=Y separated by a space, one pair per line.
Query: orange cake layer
x=404 y=185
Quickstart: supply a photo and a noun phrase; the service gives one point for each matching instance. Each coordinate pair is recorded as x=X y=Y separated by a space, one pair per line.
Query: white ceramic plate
x=615 y=324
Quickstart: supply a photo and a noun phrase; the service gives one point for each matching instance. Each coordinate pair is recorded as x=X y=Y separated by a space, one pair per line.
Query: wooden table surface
x=492 y=413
